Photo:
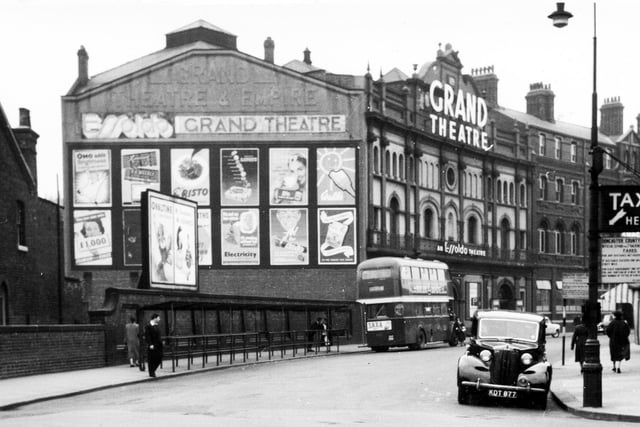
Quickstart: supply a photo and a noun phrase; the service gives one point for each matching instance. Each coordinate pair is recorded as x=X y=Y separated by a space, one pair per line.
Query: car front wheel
x=556 y=334
x=463 y=395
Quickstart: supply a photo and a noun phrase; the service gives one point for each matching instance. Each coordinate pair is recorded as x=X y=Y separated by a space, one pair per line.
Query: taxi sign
x=619 y=208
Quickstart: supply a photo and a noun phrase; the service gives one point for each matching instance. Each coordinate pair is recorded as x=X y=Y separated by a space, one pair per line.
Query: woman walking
x=618 y=332
x=578 y=339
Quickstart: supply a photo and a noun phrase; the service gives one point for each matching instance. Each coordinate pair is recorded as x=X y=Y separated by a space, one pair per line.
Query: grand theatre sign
x=457 y=116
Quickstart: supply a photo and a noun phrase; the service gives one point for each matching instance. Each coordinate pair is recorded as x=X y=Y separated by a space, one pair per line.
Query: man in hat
x=154 y=344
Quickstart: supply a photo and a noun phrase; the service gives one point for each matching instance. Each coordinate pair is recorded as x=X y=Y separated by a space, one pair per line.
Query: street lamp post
x=592 y=369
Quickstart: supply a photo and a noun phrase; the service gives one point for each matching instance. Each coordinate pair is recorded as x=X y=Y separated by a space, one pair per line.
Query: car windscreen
x=508 y=328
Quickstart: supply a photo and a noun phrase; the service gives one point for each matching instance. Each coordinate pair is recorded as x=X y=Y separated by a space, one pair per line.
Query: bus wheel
x=380 y=348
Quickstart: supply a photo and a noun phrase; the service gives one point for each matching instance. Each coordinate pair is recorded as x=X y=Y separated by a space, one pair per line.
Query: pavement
x=619 y=391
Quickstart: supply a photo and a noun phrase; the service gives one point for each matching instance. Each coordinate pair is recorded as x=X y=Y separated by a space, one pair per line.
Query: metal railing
x=229 y=347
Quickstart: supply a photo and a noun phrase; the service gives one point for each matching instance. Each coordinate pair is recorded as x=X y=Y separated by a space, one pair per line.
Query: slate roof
x=557 y=127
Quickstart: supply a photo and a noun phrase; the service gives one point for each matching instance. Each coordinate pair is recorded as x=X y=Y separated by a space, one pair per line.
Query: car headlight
x=485 y=355
x=526 y=359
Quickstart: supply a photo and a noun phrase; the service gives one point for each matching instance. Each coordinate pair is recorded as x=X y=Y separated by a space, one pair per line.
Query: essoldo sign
x=619 y=208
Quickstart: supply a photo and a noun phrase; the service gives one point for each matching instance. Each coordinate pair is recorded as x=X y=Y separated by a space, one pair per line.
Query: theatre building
x=271 y=156
x=447 y=184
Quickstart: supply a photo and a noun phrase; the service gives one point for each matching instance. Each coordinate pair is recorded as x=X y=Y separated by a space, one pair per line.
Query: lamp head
x=560 y=17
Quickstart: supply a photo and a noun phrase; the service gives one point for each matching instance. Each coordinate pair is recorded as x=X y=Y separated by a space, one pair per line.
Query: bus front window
x=375 y=311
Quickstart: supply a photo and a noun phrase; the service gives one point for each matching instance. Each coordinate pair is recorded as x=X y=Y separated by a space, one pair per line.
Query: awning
x=543 y=285
x=559 y=284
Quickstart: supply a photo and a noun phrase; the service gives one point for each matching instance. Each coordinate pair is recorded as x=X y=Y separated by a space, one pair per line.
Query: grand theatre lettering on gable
x=269 y=153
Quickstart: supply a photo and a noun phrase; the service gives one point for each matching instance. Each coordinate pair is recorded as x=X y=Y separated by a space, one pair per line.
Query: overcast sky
x=40 y=39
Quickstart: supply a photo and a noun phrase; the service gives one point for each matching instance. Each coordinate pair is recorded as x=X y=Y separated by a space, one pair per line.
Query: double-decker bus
x=407 y=302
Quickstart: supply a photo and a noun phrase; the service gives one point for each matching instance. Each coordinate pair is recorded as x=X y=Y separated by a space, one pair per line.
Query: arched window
x=400 y=166
x=504 y=192
x=394 y=164
x=505 y=230
x=542 y=237
x=376 y=159
x=511 y=191
x=543 y=187
x=499 y=190
x=575 y=193
x=419 y=172
x=394 y=217
x=472 y=230
x=573 y=240
x=523 y=195
x=429 y=224
x=489 y=188
x=411 y=177
x=451 y=229
x=559 y=238
x=387 y=162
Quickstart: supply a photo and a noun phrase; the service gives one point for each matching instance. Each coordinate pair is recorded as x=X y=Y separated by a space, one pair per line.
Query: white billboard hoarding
x=620 y=259
x=172 y=241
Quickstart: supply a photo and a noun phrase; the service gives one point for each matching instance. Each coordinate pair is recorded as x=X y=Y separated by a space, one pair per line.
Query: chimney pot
x=83 y=65
x=269 y=47
x=25 y=118
x=307 y=56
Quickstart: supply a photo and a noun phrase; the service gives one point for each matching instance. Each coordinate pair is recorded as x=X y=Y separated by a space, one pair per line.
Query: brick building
x=508 y=216
x=270 y=153
x=428 y=165
x=31 y=282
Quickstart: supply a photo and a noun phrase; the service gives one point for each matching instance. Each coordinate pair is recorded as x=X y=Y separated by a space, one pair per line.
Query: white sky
x=40 y=39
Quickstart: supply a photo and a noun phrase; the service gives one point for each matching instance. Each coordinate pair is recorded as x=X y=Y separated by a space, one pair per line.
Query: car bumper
x=487 y=386
x=474 y=373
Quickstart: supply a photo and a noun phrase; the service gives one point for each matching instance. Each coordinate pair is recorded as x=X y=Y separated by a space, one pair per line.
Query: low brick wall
x=41 y=349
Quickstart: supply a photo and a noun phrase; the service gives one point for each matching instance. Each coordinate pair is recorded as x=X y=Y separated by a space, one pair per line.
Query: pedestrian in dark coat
x=154 y=344
x=580 y=334
x=315 y=333
x=618 y=332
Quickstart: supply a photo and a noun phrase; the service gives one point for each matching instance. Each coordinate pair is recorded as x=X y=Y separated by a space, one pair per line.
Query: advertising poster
x=204 y=237
x=92 y=237
x=336 y=176
x=288 y=176
x=172 y=242
x=132 y=244
x=91 y=178
x=239 y=177
x=240 y=236
x=337 y=236
x=289 y=236
x=190 y=174
x=140 y=171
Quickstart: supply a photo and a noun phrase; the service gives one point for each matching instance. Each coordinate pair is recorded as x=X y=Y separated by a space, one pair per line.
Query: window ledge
x=23 y=248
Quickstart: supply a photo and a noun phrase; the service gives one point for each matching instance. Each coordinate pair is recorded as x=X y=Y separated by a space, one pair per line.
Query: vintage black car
x=506 y=359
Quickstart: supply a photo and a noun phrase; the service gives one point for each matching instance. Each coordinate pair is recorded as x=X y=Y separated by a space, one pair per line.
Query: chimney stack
x=269 y=46
x=611 y=115
x=487 y=83
x=27 y=140
x=540 y=101
x=83 y=66
x=307 y=56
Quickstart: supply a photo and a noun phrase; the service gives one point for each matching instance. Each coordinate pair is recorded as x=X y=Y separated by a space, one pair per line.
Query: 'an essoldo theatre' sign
x=457 y=116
